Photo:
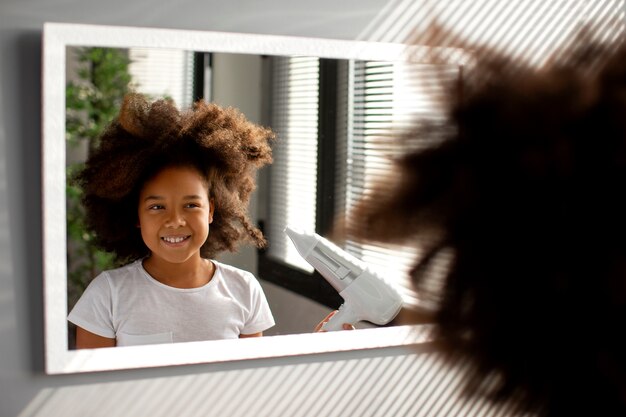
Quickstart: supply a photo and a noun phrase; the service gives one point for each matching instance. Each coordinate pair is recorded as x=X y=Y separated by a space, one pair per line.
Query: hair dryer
x=367 y=296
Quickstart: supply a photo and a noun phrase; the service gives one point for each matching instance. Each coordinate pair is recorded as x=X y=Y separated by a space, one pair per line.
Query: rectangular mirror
x=248 y=72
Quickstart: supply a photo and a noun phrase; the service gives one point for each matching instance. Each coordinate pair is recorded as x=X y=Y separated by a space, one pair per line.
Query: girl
x=165 y=192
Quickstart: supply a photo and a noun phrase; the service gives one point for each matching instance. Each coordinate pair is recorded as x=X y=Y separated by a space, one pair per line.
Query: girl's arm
x=87 y=340
x=243 y=336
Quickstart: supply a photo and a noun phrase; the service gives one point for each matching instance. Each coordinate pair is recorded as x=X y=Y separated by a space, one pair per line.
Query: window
x=385 y=99
x=346 y=113
x=174 y=77
x=295 y=112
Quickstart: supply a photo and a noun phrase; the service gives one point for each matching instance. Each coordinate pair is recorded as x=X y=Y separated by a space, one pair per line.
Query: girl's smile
x=175 y=240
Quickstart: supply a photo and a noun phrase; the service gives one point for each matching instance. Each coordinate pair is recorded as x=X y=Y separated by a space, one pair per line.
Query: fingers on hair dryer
x=366 y=295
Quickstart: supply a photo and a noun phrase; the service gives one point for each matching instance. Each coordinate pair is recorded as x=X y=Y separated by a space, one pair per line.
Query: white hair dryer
x=367 y=296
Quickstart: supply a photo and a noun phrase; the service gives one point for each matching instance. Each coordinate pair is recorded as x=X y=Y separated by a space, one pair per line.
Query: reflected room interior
x=332 y=118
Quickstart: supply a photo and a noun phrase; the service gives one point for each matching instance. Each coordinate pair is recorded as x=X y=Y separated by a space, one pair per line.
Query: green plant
x=93 y=98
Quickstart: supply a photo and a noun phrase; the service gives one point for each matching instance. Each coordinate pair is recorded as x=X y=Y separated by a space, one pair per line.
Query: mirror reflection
x=332 y=109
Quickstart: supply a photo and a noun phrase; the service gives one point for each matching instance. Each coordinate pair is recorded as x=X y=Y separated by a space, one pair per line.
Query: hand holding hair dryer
x=367 y=296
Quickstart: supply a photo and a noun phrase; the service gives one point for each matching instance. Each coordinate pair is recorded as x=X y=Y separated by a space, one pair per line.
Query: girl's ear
x=211 y=209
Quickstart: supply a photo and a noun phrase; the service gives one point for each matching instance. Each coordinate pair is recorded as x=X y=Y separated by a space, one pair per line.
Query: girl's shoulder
x=124 y=273
x=231 y=274
x=129 y=268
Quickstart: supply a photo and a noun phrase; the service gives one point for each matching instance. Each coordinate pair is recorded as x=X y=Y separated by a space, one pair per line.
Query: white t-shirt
x=129 y=305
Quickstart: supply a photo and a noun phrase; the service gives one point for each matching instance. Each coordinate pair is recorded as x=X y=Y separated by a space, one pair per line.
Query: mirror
x=59 y=41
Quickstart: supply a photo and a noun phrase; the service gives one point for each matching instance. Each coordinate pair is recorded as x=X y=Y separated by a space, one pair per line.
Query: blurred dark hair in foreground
x=524 y=187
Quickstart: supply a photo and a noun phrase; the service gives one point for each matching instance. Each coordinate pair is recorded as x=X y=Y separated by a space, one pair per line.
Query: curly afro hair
x=146 y=137
x=525 y=192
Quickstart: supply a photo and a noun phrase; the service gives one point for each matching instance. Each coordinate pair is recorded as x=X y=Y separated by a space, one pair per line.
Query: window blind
x=163 y=73
x=382 y=100
x=293 y=178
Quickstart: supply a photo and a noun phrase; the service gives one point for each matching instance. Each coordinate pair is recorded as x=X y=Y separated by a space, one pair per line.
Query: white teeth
x=170 y=239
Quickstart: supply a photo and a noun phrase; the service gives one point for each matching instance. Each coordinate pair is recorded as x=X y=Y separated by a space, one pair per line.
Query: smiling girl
x=165 y=192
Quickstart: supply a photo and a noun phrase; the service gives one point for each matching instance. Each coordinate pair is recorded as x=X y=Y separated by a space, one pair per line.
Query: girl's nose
x=176 y=219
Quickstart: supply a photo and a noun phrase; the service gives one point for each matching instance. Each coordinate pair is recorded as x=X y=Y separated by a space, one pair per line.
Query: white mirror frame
x=58 y=358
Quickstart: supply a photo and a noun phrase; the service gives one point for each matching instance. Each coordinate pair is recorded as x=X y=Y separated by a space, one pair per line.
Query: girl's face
x=174 y=214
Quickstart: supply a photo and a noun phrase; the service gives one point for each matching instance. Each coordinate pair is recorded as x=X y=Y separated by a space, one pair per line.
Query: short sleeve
x=260 y=317
x=93 y=311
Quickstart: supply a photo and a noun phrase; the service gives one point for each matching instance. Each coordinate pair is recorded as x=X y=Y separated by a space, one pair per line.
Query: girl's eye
x=155 y=207
x=192 y=205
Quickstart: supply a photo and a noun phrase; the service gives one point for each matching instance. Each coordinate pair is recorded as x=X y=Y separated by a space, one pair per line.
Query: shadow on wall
x=418 y=384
